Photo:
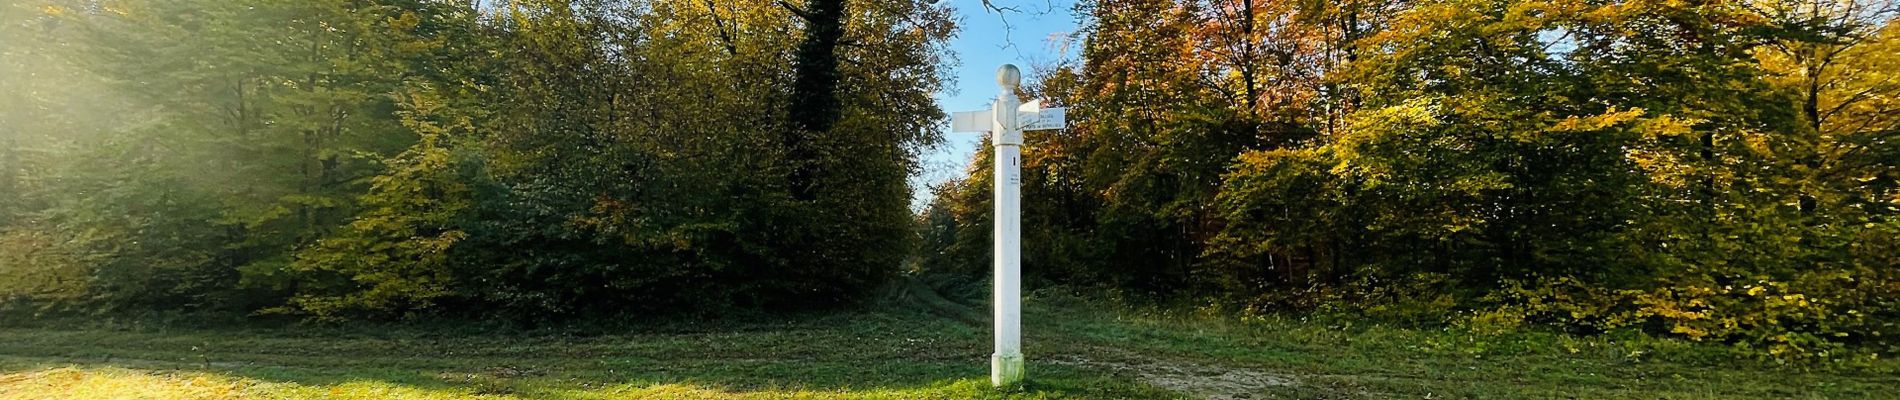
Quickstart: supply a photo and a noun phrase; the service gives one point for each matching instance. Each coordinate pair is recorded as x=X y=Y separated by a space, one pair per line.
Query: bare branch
x=1002 y=15
x=796 y=10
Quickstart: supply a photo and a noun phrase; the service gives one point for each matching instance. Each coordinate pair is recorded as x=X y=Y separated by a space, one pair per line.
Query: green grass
x=1076 y=350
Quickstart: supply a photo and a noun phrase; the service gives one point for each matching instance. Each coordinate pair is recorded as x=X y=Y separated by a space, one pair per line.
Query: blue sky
x=1033 y=33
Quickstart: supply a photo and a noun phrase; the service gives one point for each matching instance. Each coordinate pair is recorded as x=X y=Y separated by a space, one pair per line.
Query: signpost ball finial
x=1009 y=76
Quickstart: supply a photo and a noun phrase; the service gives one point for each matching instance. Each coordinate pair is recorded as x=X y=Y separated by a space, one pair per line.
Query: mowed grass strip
x=896 y=355
x=1077 y=350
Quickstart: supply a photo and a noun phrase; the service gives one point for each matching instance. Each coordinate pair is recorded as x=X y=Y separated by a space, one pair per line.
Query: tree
x=528 y=160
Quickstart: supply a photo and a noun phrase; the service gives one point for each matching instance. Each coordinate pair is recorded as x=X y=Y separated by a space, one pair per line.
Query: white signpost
x=1005 y=121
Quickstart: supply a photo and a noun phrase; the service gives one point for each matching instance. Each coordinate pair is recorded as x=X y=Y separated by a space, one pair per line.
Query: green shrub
x=1816 y=316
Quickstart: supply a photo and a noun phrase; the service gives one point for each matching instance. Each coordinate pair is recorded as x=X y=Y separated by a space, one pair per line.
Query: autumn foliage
x=1716 y=171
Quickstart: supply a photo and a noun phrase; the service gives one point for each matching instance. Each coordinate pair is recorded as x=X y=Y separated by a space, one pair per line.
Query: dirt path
x=1195 y=380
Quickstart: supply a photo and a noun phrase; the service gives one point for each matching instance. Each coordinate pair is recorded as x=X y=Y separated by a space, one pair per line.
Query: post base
x=1006 y=370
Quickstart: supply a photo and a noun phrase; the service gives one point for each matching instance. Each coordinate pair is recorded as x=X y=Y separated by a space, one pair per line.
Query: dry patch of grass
x=121 y=383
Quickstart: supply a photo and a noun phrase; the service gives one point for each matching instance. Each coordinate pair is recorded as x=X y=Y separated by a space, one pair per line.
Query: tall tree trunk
x=814 y=88
x=1812 y=108
x=1247 y=63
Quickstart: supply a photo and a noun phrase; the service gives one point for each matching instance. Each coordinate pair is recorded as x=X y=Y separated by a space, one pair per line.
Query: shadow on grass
x=881 y=355
x=1078 y=351
x=148 y=380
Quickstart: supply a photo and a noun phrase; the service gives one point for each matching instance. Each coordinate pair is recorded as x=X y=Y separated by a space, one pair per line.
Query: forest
x=344 y=159
x=1711 y=171
x=1714 y=171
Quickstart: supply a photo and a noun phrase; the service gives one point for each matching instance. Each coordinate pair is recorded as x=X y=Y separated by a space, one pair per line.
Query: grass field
x=1076 y=350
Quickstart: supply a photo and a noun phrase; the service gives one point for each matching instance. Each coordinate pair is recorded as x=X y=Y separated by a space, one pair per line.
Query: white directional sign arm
x=1047 y=119
x=1036 y=118
x=971 y=121
x=1029 y=119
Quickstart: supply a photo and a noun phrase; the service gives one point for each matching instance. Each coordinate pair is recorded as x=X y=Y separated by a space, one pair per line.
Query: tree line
x=522 y=159
x=1721 y=171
